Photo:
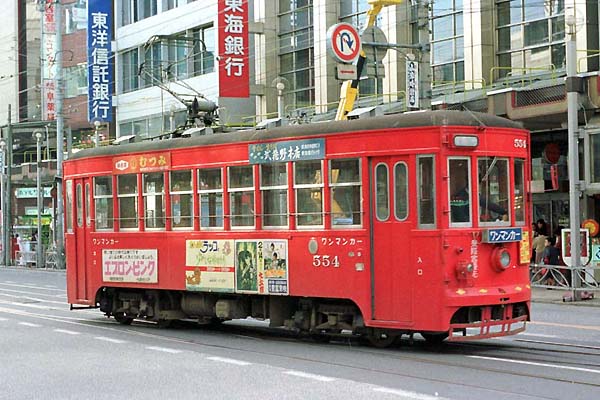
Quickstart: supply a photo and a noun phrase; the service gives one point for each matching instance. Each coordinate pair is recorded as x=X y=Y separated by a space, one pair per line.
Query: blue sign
x=99 y=57
x=292 y=150
x=502 y=235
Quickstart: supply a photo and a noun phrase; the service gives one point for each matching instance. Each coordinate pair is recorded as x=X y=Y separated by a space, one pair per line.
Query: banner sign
x=291 y=150
x=412 y=84
x=502 y=235
x=48 y=61
x=31 y=192
x=130 y=265
x=150 y=162
x=100 y=73
x=234 y=65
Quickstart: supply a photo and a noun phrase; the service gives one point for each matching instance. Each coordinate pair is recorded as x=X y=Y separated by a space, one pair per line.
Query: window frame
x=388 y=214
x=233 y=191
x=136 y=204
x=432 y=225
x=508 y=193
x=146 y=195
x=189 y=192
x=303 y=186
x=468 y=223
x=218 y=191
x=353 y=184
x=109 y=198
x=264 y=189
x=406 y=191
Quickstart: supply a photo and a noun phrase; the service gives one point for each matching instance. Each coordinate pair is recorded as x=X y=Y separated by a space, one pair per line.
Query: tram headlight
x=501 y=259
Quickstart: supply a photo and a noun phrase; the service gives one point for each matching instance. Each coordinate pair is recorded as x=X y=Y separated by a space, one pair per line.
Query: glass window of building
x=178 y=52
x=354 y=12
x=204 y=50
x=210 y=189
x=241 y=196
x=154 y=194
x=182 y=200
x=75 y=80
x=530 y=36
x=129 y=68
x=273 y=186
x=128 y=201
x=345 y=188
x=447 y=43
x=103 y=202
x=493 y=191
x=308 y=185
x=151 y=73
x=296 y=58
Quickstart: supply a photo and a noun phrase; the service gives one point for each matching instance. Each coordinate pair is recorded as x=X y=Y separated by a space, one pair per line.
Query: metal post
x=171 y=118
x=60 y=234
x=40 y=200
x=5 y=238
x=573 y=164
x=8 y=202
x=96 y=133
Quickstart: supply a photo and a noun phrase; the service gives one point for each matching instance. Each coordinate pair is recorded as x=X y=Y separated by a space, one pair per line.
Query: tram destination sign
x=502 y=235
x=291 y=150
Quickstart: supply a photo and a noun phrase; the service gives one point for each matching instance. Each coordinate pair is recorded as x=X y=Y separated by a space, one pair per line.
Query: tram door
x=81 y=228
x=392 y=295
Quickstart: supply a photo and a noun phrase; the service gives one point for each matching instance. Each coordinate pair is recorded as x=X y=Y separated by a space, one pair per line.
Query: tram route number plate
x=502 y=235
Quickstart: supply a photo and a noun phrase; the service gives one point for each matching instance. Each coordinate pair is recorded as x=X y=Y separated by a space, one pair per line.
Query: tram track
x=452 y=349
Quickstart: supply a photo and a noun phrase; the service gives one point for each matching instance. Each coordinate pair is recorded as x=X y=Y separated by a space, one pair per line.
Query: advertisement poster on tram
x=210 y=265
x=261 y=266
x=130 y=265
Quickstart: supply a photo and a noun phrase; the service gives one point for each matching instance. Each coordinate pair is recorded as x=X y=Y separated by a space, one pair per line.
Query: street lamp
x=38 y=135
x=5 y=238
x=280 y=86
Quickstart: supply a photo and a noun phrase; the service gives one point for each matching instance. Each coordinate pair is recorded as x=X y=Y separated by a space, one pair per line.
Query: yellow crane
x=349 y=90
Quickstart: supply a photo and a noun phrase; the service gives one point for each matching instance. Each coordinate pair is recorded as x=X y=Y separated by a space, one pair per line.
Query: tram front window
x=460 y=191
x=493 y=190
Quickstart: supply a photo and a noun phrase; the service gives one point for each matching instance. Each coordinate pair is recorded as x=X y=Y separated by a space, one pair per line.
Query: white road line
x=536 y=335
x=64 y=303
x=164 y=349
x=320 y=378
x=66 y=331
x=593 y=371
x=25 y=292
x=408 y=394
x=229 y=360
x=50 y=286
x=3 y=319
x=110 y=340
x=31 y=286
x=31 y=324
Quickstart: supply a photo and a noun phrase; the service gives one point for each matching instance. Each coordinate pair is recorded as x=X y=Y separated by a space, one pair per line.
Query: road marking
x=50 y=286
x=25 y=292
x=66 y=331
x=3 y=319
x=593 y=371
x=229 y=360
x=110 y=340
x=31 y=286
x=29 y=324
x=64 y=303
x=408 y=394
x=537 y=335
x=164 y=349
x=587 y=327
x=320 y=378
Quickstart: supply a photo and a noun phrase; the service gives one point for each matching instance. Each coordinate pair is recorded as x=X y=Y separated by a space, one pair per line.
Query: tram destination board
x=502 y=235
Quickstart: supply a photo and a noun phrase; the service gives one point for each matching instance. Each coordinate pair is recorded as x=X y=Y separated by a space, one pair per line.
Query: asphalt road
x=50 y=352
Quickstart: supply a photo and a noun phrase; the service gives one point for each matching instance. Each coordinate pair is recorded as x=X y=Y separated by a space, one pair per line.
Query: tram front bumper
x=486 y=322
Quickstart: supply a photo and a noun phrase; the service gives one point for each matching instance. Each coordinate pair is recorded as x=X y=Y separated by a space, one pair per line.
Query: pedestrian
x=539 y=244
x=551 y=258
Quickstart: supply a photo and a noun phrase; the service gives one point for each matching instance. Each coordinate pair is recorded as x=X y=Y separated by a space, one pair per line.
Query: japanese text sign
x=48 y=61
x=293 y=150
x=233 y=48
x=502 y=235
x=141 y=163
x=130 y=265
x=100 y=73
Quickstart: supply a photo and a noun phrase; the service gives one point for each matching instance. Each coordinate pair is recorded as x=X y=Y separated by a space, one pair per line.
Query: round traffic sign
x=343 y=42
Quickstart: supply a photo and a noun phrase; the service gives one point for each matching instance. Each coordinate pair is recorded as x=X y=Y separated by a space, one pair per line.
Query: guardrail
x=560 y=277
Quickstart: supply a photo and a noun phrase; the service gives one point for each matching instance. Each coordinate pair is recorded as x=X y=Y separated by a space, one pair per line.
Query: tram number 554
x=326 y=260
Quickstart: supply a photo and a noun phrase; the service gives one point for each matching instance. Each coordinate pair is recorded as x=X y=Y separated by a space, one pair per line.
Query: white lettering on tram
x=474 y=258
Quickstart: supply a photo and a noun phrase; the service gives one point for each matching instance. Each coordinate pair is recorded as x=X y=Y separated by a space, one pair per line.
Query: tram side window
x=79 y=200
x=382 y=193
x=344 y=181
x=154 y=194
x=128 y=201
x=308 y=184
x=273 y=181
x=459 y=186
x=241 y=192
x=519 y=191
x=88 y=216
x=182 y=204
x=210 y=188
x=69 y=190
x=103 y=201
x=493 y=190
x=426 y=193
x=401 y=191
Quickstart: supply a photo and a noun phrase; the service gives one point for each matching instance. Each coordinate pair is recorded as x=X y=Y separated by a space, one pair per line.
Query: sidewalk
x=555 y=296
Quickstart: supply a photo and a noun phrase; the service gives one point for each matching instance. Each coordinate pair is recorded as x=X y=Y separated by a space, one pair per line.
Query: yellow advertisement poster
x=210 y=265
x=524 y=248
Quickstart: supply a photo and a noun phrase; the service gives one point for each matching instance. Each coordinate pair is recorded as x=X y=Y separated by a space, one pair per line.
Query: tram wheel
x=435 y=338
x=123 y=319
x=379 y=339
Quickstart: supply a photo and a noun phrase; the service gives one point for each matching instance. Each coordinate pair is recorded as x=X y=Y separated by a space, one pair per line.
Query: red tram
x=377 y=227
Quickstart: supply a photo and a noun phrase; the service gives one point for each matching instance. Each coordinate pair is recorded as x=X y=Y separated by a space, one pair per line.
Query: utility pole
x=424 y=55
x=573 y=88
x=8 y=201
x=59 y=218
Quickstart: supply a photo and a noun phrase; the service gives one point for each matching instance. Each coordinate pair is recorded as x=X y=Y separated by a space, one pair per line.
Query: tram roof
x=406 y=120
